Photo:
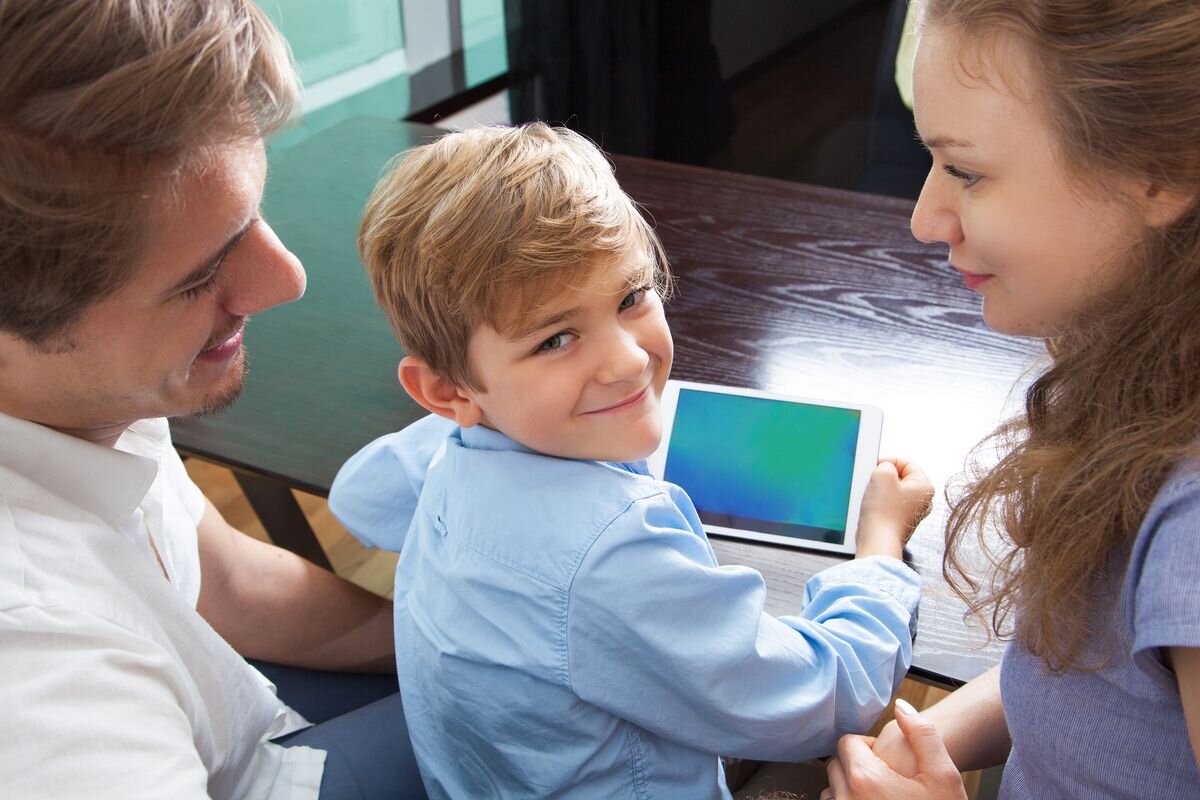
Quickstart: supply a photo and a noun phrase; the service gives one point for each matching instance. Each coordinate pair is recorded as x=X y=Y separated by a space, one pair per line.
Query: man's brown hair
x=102 y=104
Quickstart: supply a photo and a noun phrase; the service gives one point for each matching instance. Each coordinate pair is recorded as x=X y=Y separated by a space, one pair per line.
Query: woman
x=1066 y=145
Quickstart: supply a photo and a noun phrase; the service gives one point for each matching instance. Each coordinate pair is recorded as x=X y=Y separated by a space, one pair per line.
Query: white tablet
x=769 y=467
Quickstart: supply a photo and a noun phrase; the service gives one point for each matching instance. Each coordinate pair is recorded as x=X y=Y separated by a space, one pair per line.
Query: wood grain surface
x=824 y=293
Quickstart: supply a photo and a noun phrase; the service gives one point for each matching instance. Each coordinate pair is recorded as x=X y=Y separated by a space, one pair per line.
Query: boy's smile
x=585 y=378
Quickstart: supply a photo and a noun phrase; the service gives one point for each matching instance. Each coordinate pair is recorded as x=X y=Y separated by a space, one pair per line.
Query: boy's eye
x=966 y=177
x=633 y=298
x=556 y=342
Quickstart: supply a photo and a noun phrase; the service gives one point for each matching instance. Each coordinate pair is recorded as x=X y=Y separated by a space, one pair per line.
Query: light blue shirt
x=563 y=628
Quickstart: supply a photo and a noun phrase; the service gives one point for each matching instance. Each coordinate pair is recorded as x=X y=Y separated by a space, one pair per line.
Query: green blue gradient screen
x=765 y=465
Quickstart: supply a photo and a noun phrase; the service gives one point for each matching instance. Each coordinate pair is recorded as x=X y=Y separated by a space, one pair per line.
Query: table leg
x=281 y=515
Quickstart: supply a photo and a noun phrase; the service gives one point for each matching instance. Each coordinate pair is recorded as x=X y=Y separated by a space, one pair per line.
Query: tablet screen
x=772 y=466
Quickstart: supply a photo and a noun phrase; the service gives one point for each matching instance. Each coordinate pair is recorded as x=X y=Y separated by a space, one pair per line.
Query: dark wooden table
x=780 y=286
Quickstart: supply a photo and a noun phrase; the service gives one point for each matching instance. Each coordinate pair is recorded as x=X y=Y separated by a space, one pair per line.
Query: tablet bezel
x=866 y=456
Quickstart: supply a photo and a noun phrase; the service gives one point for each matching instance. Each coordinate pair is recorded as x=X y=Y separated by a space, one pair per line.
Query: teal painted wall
x=330 y=38
x=485 y=50
x=350 y=56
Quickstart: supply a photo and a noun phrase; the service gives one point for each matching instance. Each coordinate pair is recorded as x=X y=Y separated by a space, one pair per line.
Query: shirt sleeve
x=1166 y=565
x=701 y=663
x=375 y=492
x=90 y=713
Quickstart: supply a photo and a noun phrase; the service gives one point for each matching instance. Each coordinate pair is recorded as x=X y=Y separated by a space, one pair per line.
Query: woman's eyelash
x=966 y=177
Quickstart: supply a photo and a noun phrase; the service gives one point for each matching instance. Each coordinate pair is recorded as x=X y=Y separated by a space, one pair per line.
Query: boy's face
x=583 y=379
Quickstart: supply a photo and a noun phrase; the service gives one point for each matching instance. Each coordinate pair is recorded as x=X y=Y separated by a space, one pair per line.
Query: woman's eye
x=556 y=342
x=966 y=177
x=630 y=300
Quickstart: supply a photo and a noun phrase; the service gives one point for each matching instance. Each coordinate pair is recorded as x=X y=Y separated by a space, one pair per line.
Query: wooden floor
x=374 y=569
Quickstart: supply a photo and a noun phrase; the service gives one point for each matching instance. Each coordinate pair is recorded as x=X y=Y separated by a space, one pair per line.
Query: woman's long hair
x=1119 y=406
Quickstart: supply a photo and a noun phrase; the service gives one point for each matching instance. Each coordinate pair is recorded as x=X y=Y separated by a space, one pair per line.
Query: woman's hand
x=859 y=774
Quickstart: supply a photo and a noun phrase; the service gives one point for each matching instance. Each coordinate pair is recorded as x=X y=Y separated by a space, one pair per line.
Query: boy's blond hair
x=483 y=225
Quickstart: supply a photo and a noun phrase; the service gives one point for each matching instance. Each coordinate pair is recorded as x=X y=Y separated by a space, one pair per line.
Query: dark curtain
x=896 y=162
x=639 y=77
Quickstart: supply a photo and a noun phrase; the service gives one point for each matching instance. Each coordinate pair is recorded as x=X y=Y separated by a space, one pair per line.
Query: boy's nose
x=625 y=359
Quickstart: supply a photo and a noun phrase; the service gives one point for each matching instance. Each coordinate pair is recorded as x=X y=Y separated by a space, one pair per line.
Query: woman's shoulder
x=1164 y=566
x=1176 y=506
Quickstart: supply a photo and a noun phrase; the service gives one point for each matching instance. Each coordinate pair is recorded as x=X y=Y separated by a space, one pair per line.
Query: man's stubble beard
x=221 y=400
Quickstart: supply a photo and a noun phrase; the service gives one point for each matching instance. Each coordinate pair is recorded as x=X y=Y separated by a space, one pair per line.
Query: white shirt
x=111 y=684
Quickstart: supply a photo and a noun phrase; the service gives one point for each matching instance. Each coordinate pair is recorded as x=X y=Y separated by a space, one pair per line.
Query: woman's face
x=1036 y=245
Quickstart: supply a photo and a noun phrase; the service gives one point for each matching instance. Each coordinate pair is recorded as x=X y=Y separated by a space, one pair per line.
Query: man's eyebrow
x=938 y=142
x=210 y=265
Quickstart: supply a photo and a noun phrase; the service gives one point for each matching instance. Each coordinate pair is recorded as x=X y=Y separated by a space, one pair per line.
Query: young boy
x=562 y=625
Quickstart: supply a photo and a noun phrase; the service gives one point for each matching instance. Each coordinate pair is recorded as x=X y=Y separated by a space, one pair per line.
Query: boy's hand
x=893 y=749
x=898 y=496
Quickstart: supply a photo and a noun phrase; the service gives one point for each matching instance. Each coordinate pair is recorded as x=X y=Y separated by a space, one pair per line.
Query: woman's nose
x=935 y=217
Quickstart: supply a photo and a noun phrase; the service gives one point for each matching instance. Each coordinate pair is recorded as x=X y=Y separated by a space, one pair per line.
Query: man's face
x=169 y=342
x=585 y=381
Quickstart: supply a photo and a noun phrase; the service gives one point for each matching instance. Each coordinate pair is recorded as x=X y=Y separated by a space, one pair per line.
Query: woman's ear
x=436 y=394
x=1162 y=207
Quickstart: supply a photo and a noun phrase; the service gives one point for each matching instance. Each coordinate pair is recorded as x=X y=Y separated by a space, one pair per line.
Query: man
x=132 y=254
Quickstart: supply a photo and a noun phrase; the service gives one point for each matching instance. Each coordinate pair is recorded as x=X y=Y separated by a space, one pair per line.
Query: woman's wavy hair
x=102 y=104
x=1119 y=405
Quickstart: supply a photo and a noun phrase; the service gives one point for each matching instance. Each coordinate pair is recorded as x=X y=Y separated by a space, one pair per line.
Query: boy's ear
x=436 y=394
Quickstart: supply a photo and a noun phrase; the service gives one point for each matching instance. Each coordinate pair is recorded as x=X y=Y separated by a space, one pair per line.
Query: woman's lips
x=973 y=280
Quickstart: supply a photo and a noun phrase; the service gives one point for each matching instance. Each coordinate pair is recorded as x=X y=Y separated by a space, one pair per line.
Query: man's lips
x=225 y=348
x=628 y=402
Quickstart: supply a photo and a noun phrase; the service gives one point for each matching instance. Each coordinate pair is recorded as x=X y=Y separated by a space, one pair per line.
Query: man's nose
x=261 y=273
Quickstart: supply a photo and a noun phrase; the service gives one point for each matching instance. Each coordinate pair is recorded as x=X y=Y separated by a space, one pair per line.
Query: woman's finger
x=932 y=759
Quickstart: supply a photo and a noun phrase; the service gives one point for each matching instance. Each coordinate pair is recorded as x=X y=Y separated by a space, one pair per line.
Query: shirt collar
x=106 y=481
x=478 y=437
